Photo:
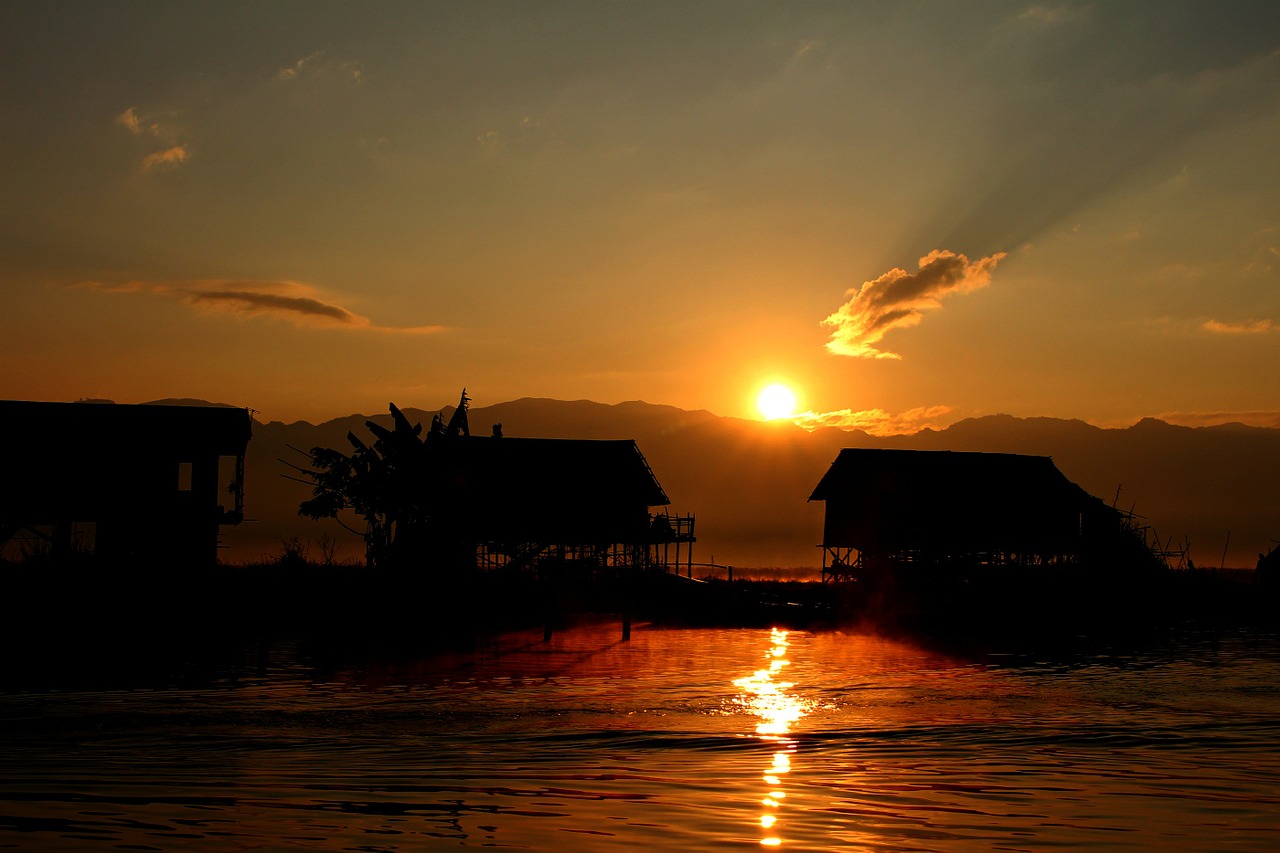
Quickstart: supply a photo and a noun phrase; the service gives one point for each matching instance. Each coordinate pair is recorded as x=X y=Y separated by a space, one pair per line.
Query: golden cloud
x=1245 y=327
x=129 y=119
x=878 y=421
x=898 y=300
x=166 y=159
x=148 y=125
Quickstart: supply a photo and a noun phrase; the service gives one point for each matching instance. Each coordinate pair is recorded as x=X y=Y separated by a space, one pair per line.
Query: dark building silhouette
x=524 y=501
x=143 y=485
x=1268 y=568
x=455 y=500
x=940 y=510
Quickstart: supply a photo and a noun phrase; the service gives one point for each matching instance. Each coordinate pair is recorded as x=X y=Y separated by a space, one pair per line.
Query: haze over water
x=678 y=739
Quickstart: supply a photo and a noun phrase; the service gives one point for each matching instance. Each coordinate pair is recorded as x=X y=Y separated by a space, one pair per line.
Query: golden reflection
x=777 y=709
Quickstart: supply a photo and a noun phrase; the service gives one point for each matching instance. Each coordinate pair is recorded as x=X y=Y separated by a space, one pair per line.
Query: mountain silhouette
x=748 y=481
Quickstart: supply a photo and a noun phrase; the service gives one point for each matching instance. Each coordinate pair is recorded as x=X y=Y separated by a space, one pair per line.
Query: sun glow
x=776 y=401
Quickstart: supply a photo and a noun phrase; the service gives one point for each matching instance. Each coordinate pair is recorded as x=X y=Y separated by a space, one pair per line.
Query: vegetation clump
x=388 y=483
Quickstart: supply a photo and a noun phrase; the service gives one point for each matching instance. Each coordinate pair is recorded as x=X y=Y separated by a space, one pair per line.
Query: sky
x=908 y=213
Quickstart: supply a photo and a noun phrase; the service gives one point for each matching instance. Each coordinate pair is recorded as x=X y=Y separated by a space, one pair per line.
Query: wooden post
x=549 y=601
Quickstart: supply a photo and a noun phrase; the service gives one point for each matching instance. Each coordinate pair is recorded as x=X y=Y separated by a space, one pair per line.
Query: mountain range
x=1215 y=490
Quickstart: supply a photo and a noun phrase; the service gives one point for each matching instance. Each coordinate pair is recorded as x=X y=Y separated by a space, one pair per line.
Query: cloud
x=315 y=65
x=1245 y=327
x=898 y=299
x=147 y=125
x=1270 y=420
x=878 y=421
x=294 y=71
x=289 y=300
x=807 y=47
x=267 y=303
x=168 y=159
x=129 y=119
x=527 y=133
x=352 y=69
x=1045 y=16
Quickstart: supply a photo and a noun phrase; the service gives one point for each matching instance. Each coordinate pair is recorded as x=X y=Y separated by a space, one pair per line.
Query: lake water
x=699 y=739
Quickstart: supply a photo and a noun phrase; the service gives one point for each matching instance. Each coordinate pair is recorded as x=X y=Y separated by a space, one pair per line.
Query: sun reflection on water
x=770 y=699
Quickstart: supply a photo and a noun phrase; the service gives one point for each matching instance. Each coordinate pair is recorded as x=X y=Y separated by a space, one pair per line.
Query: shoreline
x=79 y=625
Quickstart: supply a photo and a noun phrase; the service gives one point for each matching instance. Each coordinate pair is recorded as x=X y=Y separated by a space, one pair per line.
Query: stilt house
x=951 y=511
x=139 y=485
x=529 y=501
x=456 y=500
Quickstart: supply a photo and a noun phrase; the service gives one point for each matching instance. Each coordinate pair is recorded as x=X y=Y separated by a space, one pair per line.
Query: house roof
x=76 y=428
x=554 y=470
x=962 y=475
x=544 y=490
x=908 y=498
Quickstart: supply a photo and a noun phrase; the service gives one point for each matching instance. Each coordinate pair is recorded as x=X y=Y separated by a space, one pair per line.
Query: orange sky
x=910 y=212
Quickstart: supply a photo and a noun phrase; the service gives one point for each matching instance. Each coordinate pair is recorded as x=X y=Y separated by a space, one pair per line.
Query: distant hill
x=183 y=401
x=748 y=481
x=1193 y=484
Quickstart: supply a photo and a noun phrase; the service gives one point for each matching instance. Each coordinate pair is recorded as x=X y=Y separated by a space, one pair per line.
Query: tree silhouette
x=387 y=483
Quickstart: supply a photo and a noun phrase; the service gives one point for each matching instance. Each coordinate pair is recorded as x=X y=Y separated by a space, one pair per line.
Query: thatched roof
x=887 y=499
x=556 y=470
x=70 y=429
x=980 y=476
x=551 y=489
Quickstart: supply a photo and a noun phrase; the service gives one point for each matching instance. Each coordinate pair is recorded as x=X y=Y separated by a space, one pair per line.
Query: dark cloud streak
x=259 y=298
x=249 y=301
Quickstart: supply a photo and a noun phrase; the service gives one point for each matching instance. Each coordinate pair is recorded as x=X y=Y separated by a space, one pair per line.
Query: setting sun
x=776 y=401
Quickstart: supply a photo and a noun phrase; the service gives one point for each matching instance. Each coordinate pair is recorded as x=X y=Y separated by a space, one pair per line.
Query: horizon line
x=1186 y=420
